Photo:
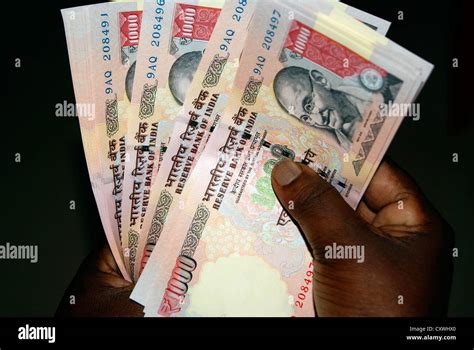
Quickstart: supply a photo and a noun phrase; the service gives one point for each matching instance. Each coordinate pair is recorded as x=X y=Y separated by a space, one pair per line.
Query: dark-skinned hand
x=99 y=290
x=407 y=268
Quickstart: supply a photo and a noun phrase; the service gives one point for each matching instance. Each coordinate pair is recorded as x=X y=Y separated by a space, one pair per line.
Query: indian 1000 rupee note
x=94 y=46
x=173 y=37
x=309 y=88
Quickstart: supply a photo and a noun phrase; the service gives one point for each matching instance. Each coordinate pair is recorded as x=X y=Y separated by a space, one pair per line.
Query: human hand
x=407 y=265
x=99 y=290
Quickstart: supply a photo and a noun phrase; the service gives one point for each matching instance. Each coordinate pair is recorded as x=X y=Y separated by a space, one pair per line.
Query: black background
x=52 y=172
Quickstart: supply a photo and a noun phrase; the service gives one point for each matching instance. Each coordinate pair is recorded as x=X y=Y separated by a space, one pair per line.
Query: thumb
x=316 y=207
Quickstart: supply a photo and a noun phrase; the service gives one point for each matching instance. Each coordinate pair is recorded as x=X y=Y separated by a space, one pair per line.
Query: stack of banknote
x=194 y=103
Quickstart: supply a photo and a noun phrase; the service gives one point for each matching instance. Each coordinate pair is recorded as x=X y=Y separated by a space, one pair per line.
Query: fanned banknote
x=205 y=104
x=310 y=88
x=94 y=44
x=219 y=60
x=173 y=36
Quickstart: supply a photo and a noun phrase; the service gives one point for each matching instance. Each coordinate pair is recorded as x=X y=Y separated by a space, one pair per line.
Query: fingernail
x=285 y=172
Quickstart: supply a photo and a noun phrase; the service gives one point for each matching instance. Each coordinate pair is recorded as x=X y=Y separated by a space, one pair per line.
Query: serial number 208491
x=105 y=37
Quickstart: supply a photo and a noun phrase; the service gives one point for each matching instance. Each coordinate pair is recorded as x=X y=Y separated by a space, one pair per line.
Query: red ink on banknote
x=130 y=23
x=177 y=286
x=318 y=48
x=194 y=22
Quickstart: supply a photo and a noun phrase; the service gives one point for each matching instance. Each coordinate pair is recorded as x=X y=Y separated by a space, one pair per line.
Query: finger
x=102 y=263
x=105 y=262
x=388 y=185
x=398 y=204
x=410 y=214
x=316 y=206
x=365 y=212
x=113 y=280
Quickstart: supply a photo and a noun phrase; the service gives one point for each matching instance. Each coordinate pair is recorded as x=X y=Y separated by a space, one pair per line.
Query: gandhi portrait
x=308 y=96
x=182 y=73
